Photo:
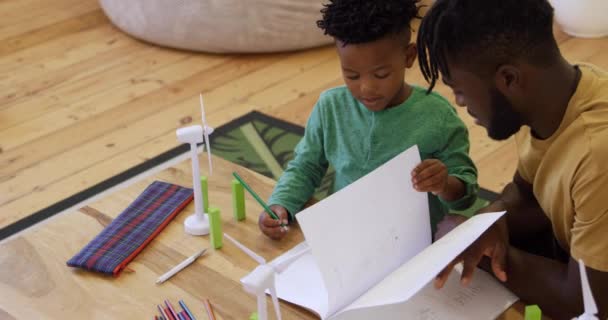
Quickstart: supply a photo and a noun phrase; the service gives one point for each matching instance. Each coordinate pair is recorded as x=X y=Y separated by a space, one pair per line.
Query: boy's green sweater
x=355 y=141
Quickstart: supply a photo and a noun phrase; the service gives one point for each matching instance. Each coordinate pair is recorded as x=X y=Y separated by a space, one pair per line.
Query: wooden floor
x=80 y=101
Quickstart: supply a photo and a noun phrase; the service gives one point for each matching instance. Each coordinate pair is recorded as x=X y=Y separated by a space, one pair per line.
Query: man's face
x=373 y=71
x=484 y=102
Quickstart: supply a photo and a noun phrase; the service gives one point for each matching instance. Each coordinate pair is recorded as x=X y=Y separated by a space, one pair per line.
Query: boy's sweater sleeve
x=455 y=155
x=305 y=172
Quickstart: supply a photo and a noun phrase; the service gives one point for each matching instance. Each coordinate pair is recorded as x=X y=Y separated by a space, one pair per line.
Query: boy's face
x=373 y=71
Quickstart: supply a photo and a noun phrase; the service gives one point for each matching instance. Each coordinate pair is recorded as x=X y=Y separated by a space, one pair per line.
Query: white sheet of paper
x=484 y=298
x=301 y=283
x=412 y=276
x=368 y=229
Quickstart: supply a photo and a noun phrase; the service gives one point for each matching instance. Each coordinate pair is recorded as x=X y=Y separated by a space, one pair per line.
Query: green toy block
x=205 y=192
x=533 y=313
x=253 y=316
x=215 y=228
x=238 y=200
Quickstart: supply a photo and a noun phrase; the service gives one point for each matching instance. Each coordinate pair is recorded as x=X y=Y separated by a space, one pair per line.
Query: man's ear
x=508 y=80
x=411 y=52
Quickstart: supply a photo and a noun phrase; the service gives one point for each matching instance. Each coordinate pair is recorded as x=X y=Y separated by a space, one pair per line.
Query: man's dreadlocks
x=484 y=34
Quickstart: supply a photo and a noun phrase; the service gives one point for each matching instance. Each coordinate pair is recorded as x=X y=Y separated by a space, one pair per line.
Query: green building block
x=215 y=228
x=238 y=200
x=205 y=192
x=533 y=313
x=253 y=316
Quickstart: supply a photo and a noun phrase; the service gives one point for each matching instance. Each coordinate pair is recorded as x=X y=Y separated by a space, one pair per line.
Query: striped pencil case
x=127 y=235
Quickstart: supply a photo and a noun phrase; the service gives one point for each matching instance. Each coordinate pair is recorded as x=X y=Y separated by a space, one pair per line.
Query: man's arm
x=554 y=286
x=524 y=217
x=518 y=200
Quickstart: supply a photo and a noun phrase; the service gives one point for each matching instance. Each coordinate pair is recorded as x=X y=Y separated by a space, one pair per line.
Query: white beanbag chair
x=221 y=26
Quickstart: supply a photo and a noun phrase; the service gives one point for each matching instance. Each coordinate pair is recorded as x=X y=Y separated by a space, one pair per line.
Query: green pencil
x=257 y=198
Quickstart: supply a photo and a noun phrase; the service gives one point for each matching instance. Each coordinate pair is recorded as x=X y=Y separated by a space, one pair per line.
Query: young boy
x=376 y=116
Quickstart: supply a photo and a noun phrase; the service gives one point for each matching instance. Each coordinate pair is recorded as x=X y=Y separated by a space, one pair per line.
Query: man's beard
x=504 y=121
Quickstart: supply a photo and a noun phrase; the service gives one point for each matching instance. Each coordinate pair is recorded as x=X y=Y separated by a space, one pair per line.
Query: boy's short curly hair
x=360 y=21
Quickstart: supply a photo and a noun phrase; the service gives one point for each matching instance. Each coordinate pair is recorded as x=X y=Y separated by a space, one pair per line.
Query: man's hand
x=491 y=244
x=271 y=227
x=447 y=224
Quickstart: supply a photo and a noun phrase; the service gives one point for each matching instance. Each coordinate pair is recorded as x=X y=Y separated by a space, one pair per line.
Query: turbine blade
x=589 y=302
x=206 y=134
x=275 y=301
x=279 y=265
x=248 y=251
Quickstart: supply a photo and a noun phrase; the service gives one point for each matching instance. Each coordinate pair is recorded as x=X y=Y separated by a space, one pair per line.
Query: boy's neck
x=404 y=93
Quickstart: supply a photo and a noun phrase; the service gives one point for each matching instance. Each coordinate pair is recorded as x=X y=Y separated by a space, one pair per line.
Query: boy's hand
x=431 y=175
x=272 y=228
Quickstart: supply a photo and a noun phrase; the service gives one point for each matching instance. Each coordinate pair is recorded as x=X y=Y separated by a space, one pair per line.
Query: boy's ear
x=411 y=52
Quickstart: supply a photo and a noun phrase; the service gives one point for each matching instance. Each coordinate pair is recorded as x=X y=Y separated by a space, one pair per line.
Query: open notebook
x=371 y=255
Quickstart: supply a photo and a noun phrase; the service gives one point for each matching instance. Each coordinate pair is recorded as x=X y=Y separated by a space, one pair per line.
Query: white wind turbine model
x=263 y=278
x=588 y=301
x=198 y=223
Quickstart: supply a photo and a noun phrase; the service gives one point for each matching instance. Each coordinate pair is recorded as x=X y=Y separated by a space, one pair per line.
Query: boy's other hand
x=431 y=175
x=271 y=227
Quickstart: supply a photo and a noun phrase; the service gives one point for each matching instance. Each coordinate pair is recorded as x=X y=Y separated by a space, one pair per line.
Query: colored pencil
x=257 y=198
x=186 y=309
x=163 y=315
x=169 y=315
x=180 y=266
x=170 y=307
x=210 y=313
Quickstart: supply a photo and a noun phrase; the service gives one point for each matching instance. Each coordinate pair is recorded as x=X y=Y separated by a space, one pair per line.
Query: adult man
x=502 y=62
